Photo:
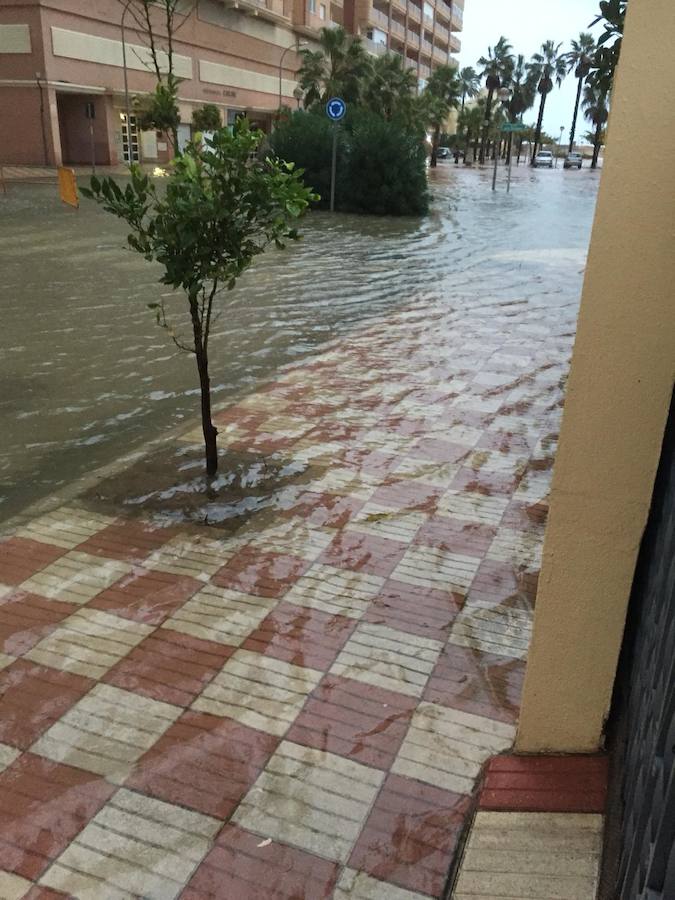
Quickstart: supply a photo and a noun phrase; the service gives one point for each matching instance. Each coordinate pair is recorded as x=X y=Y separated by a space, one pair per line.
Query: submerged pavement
x=297 y=702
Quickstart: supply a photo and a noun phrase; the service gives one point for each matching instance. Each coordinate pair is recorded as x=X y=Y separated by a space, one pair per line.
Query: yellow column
x=618 y=394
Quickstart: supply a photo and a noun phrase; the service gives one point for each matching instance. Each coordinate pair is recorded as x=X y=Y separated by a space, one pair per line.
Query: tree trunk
x=596 y=145
x=475 y=149
x=208 y=428
x=435 y=141
x=468 y=145
x=537 y=132
x=520 y=150
x=576 y=113
x=488 y=111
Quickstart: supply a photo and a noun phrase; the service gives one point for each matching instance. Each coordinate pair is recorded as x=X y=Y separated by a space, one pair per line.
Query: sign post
x=335 y=110
x=90 y=112
x=510 y=128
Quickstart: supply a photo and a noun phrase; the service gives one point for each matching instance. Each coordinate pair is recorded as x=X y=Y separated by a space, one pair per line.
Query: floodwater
x=86 y=375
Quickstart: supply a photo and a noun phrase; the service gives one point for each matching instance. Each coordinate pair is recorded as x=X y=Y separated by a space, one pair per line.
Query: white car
x=543 y=158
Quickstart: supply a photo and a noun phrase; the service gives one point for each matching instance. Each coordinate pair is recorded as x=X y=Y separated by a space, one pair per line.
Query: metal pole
x=333 y=167
x=508 y=177
x=126 y=83
x=494 y=171
x=93 y=146
x=295 y=46
x=562 y=128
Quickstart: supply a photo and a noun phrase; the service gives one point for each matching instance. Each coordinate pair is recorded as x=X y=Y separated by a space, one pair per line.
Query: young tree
x=441 y=94
x=596 y=110
x=340 y=67
x=496 y=69
x=159 y=21
x=613 y=16
x=206 y=118
x=469 y=81
x=546 y=67
x=579 y=60
x=390 y=89
x=221 y=208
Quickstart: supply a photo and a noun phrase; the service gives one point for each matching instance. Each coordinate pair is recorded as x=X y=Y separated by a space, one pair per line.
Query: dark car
x=573 y=161
x=443 y=153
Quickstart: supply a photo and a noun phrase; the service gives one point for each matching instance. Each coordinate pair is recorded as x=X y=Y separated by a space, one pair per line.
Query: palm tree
x=390 y=90
x=547 y=66
x=469 y=125
x=469 y=81
x=596 y=110
x=523 y=92
x=341 y=67
x=441 y=94
x=579 y=60
x=495 y=68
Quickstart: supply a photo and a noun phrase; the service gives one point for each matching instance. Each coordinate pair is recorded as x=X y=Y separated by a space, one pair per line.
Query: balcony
x=376 y=17
x=442 y=35
x=425 y=72
x=265 y=9
x=397 y=29
x=456 y=19
x=374 y=47
x=413 y=39
x=440 y=55
x=426 y=47
x=414 y=13
x=455 y=44
x=428 y=22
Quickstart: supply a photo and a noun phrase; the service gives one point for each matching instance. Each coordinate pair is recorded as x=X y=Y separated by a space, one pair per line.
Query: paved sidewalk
x=299 y=709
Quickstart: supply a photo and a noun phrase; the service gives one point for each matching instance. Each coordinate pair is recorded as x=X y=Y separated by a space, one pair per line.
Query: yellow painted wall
x=617 y=402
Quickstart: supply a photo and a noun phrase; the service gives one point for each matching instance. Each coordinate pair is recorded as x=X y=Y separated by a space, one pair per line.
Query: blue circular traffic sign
x=336 y=108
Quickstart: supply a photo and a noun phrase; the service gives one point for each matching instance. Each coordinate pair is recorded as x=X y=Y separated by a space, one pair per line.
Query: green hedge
x=381 y=165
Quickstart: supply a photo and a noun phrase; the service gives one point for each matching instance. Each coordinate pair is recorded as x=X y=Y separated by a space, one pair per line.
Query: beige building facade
x=62 y=62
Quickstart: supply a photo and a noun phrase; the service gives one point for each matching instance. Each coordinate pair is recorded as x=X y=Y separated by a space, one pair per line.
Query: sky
x=527 y=24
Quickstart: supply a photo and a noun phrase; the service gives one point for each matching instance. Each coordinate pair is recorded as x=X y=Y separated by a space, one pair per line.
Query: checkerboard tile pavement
x=301 y=708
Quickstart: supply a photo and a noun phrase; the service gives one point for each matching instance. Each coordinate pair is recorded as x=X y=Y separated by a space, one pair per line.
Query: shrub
x=386 y=169
x=306 y=138
x=206 y=118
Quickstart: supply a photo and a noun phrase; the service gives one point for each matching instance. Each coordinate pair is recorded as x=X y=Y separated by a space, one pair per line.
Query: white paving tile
x=134 y=846
x=293 y=537
x=355 y=885
x=65 y=527
x=220 y=614
x=89 y=642
x=107 y=731
x=431 y=567
x=472 y=507
x=194 y=555
x=258 y=691
x=531 y=855
x=7 y=756
x=381 y=521
x=447 y=747
x=13 y=887
x=387 y=658
x=522 y=548
x=76 y=577
x=502 y=630
x=315 y=800
x=335 y=590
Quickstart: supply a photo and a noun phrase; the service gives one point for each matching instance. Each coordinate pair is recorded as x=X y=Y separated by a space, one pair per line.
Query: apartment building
x=63 y=65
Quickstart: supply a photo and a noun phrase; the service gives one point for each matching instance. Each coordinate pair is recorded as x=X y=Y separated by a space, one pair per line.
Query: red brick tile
x=203 y=762
x=374 y=462
x=37 y=892
x=304 y=637
x=506 y=442
x=482 y=482
x=33 y=697
x=440 y=451
x=408 y=495
x=423 y=611
x=479 y=683
x=148 y=597
x=21 y=557
x=43 y=805
x=259 y=573
x=406 y=426
x=456 y=536
x=323 y=509
x=356 y=720
x=501 y=583
x=363 y=553
x=470 y=417
x=411 y=835
x=169 y=666
x=130 y=540
x=26 y=618
x=237 y=868
x=564 y=784
x=525 y=516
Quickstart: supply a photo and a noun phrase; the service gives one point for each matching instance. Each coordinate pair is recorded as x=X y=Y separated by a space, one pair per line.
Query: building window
x=312 y=6
x=428 y=10
x=322 y=12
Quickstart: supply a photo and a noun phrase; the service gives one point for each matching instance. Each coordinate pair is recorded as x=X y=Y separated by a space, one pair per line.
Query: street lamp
x=562 y=128
x=294 y=46
x=298 y=93
x=126 y=82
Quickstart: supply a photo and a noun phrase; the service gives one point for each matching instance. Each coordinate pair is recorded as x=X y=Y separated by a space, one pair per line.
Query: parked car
x=573 y=161
x=443 y=153
x=543 y=158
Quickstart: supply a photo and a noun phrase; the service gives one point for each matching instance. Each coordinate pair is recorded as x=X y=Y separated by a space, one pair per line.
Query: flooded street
x=86 y=375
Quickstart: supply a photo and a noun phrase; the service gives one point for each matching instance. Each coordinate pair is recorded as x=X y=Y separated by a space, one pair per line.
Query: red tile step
x=562 y=784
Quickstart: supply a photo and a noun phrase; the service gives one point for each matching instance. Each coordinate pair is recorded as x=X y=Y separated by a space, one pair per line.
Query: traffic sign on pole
x=513 y=126
x=336 y=109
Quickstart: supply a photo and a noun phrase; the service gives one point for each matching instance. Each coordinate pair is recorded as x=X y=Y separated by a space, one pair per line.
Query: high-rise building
x=64 y=65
